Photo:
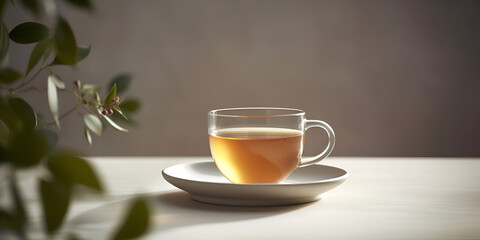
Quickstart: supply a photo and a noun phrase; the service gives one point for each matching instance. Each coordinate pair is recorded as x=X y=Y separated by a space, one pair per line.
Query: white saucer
x=205 y=183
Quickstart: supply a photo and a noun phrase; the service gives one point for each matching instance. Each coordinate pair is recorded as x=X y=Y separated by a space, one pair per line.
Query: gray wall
x=393 y=78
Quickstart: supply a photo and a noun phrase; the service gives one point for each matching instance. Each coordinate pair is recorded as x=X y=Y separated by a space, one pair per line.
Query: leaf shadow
x=170 y=210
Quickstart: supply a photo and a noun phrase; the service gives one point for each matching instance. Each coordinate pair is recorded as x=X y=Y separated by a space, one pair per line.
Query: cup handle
x=331 y=142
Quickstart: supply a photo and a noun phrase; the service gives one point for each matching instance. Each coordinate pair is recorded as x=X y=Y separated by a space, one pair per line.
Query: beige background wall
x=393 y=78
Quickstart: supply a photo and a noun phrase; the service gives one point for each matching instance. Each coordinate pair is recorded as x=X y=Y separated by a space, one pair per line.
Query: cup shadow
x=172 y=209
x=177 y=209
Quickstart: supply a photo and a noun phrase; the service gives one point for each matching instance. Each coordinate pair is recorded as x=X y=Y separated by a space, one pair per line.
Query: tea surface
x=257 y=154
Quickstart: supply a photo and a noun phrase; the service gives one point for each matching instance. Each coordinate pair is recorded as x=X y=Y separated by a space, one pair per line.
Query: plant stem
x=29 y=80
x=45 y=89
x=91 y=111
x=72 y=92
x=65 y=114
x=29 y=89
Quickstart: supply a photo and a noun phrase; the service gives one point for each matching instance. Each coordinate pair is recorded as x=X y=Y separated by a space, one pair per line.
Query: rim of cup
x=223 y=112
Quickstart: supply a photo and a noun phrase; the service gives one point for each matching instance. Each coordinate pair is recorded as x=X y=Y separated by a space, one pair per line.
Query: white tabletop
x=383 y=198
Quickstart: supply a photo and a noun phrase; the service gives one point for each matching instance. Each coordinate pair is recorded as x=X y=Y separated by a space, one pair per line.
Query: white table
x=383 y=198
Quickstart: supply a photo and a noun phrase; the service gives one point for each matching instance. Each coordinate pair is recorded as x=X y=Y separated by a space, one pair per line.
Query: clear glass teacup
x=261 y=144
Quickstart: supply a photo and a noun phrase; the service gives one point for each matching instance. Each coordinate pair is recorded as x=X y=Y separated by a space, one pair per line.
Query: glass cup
x=261 y=144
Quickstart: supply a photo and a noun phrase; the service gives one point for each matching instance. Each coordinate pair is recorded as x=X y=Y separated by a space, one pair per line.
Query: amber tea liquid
x=257 y=154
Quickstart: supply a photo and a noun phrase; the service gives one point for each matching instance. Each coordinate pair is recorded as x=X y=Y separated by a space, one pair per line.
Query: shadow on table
x=176 y=209
x=170 y=210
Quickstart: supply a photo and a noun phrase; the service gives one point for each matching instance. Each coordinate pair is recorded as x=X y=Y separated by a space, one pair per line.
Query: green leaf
x=65 y=43
x=53 y=98
x=122 y=81
x=90 y=88
x=55 y=201
x=97 y=97
x=93 y=123
x=48 y=52
x=38 y=51
x=136 y=222
x=5 y=110
x=85 y=4
x=21 y=145
x=2 y=6
x=8 y=76
x=4 y=46
x=6 y=221
x=111 y=94
x=32 y=5
x=19 y=216
x=88 y=137
x=29 y=32
x=116 y=117
x=51 y=138
x=131 y=105
x=82 y=53
x=3 y=137
x=57 y=81
x=27 y=149
x=19 y=115
x=3 y=154
x=5 y=60
x=73 y=170
x=113 y=124
x=120 y=112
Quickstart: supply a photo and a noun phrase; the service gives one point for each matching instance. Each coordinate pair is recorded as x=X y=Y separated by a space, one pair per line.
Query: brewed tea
x=256 y=154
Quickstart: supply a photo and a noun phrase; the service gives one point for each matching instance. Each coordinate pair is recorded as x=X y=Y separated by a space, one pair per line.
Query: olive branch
x=25 y=138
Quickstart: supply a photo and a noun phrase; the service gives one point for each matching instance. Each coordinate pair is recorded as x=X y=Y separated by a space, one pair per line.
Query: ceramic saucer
x=205 y=183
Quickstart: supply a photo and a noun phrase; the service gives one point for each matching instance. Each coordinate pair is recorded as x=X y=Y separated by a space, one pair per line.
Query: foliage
x=28 y=141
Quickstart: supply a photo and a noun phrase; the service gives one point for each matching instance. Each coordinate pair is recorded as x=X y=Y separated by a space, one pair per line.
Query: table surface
x=383 y=198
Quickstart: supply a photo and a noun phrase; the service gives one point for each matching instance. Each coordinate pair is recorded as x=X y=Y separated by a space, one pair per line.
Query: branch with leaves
x=26 y=140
